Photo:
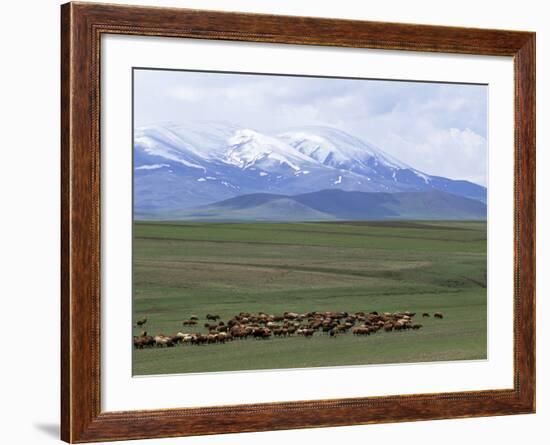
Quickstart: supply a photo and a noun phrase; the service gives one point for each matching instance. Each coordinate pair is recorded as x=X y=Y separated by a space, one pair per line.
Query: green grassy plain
x=182 y=269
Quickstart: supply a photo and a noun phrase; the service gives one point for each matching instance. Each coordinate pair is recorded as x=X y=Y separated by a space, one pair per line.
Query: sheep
x=264 y=325
x=198 y=339
x=138 y=344
x=184 y=337
x=141 y=322
x=212 y=338
x=261 y=333
x=163 y=340
x=361 y=330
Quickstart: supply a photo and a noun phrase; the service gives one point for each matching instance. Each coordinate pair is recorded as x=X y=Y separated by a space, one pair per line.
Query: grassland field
x=197 y=268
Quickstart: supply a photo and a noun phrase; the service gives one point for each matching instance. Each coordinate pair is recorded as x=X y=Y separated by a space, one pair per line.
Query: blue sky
x=440 y=129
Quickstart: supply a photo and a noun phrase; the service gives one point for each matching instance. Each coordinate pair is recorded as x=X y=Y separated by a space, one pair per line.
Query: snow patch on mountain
x=422 y=175
x=162 y=143
x=152 y=166
x=337 y=148
x=248 y=148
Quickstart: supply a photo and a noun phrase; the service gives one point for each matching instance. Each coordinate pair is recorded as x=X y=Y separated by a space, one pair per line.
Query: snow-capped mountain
x=187 y=165
x=335 y=148
x=250 y=149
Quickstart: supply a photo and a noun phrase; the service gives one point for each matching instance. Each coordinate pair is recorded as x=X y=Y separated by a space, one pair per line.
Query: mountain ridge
x=187 y=165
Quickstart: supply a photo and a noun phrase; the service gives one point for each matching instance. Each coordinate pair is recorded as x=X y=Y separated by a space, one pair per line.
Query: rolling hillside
x=327 y=205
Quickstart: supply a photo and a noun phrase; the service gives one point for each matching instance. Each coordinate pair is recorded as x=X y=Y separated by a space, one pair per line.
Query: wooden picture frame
x=82 y=25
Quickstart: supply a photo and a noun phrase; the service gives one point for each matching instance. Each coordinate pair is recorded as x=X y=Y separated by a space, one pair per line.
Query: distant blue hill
x=330 y=205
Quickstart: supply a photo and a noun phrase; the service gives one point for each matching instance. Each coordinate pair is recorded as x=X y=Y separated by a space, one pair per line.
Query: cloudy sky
x=437 y=128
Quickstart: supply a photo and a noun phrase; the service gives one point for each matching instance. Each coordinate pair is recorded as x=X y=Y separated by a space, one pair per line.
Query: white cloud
x=187 y=94
x=437 y=128
x=453 y=153
x=256 y=91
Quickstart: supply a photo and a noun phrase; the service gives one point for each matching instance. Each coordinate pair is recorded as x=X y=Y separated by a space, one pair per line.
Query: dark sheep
x=141 y=322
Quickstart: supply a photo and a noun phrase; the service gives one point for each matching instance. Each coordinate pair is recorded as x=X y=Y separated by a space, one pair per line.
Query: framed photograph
x=274 y=222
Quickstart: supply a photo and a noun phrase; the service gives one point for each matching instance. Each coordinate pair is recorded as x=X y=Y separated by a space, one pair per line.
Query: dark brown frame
x=82 y=25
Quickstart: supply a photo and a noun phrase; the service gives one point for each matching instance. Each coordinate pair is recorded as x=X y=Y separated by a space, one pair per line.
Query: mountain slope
x=336 y=205
x=338 y=149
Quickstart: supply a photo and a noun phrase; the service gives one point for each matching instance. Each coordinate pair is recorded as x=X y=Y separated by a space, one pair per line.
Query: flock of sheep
x=263 y=326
